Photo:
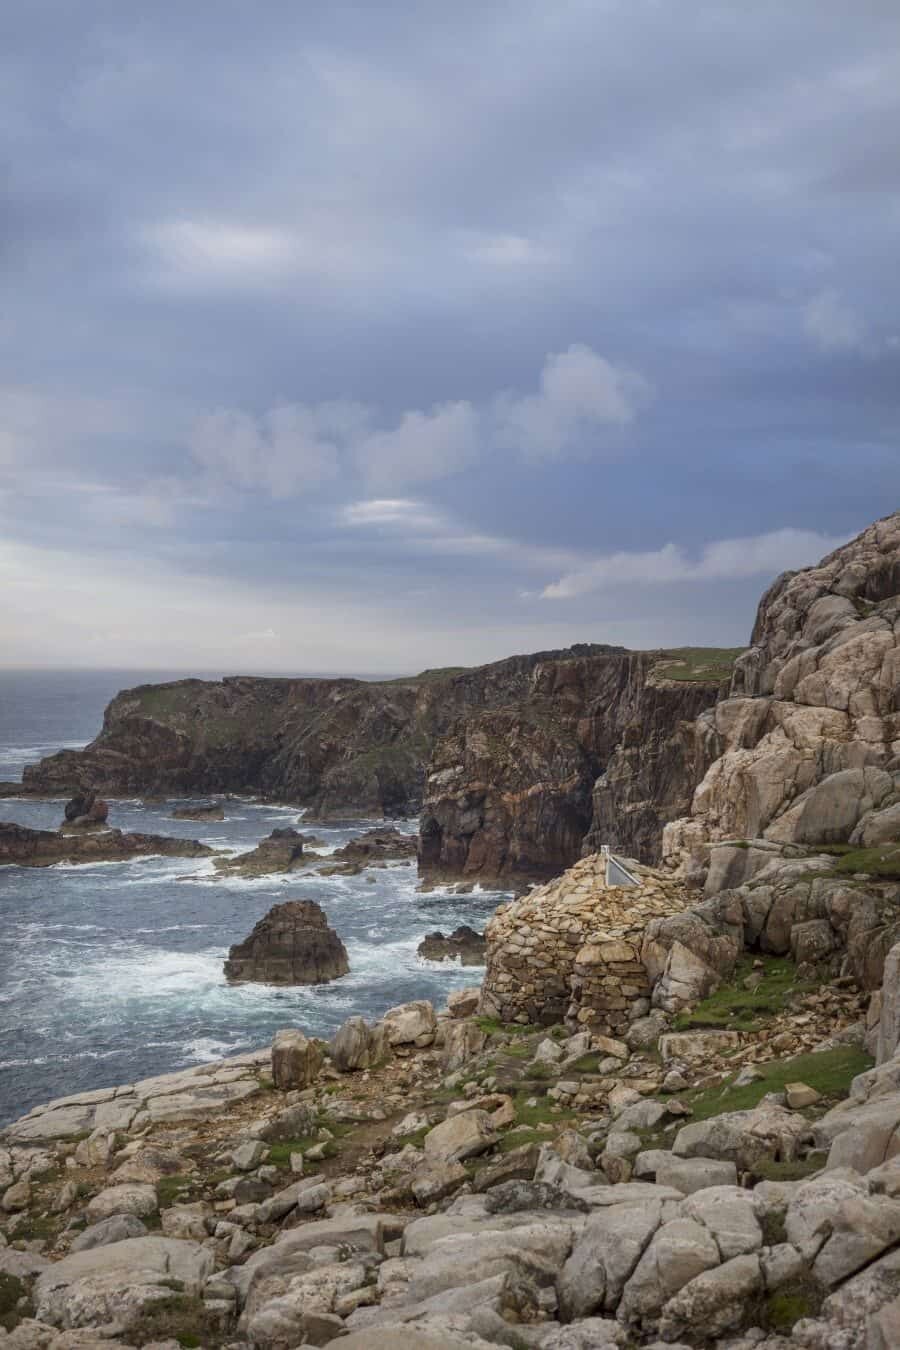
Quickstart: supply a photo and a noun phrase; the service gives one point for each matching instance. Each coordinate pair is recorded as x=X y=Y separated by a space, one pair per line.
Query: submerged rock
x=43 y=848
x=464 y=945
x=373 y=849
x=292 y=944
x=281 y=851
x=199 y=811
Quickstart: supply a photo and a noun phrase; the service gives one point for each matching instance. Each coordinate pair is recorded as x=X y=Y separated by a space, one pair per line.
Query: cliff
x=596 y=750
x=806 y=749
x=512 y=750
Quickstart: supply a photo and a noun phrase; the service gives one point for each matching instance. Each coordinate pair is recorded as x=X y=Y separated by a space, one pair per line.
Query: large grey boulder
x=128 y=1198
x=462 y=1042
x=678 y=1252
x=745 y=1138
x=714 y=1301
x=729 y=1212
x=603 y=1258
x=460 y=1137
x=889 y=1024
x=118 y=1228
x=694 y=1174
x=296 y=1061
x=356 y=1045
x=411 y=1023
x=114 y=1283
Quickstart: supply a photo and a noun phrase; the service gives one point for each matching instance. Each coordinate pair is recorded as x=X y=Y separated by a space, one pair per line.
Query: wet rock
x=281 y=851
x=292 y=944
x=86 y=809
x=464 y=946
x=199 y=811
x=44 y=848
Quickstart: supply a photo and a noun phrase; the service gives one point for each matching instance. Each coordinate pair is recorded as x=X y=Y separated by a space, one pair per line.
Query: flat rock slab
x=192 y=1094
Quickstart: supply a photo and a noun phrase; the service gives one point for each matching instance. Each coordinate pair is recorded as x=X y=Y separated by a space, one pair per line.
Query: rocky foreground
x=722 y=1172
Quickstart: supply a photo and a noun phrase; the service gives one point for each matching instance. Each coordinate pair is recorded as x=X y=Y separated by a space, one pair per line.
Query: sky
x=373 y=336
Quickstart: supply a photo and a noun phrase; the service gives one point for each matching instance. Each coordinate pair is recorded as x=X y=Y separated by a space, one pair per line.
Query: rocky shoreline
x=670 y=1116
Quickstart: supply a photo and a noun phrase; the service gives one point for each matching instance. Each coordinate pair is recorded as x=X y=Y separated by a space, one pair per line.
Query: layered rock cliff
x=512 y=751
x=806 y=749
x=597 y=750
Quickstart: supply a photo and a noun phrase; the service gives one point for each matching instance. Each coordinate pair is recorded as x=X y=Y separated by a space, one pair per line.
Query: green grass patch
x=11 y=1290
x=795 y=1300
x=829 y=1072
x=171 y=1190
x=714 y=664
x=735 y=1008
x=882 y=862
x=544 y=1112
x=492 y=1026
x=797 y=1170
x=177 y=1317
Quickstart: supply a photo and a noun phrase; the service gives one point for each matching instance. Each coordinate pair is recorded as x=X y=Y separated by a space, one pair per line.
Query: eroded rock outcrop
x=292 y=944
x=807 y=743
x=464 y=945
x=281 y=851
x=43 y=848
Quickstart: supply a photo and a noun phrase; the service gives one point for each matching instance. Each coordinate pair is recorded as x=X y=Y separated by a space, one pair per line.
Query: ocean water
x=113 y=971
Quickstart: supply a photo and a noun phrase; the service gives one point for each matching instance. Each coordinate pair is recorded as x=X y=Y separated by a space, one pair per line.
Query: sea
x=111 y=972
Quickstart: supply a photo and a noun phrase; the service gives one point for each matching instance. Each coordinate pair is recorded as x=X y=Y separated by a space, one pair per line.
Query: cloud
x=296 y=446
x=831 y=324
x=285 y=451
x=423 y=446
x=38 y=423
x=215 y=250
x=579 y=392
x=422 y=528
x=724 y=560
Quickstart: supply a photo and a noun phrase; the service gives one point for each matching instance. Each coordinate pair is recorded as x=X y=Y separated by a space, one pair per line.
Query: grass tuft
x=735 y=1008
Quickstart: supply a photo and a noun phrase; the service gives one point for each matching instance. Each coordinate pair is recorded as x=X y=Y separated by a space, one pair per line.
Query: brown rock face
x=43 y=848
x=511 y=791
x=292 y=944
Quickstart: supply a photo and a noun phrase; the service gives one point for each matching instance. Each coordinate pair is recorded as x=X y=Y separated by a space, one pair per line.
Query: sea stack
x=292 y=944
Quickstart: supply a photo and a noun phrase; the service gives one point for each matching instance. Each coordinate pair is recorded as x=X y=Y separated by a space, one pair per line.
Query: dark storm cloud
x=462 y=327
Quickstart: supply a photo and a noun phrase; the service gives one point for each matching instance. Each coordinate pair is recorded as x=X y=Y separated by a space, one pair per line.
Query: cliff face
x=807 y=747
x=338 y=747
x=650 y=776
x=511 y=790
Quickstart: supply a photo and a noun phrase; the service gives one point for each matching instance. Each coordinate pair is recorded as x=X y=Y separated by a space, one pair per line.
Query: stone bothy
x=571 y=950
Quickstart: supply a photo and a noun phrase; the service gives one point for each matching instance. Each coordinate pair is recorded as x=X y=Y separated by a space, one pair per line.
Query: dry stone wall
x=571 y=950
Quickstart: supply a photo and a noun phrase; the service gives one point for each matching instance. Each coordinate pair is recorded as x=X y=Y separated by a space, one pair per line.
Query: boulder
x=678 y=1252
x=411 y=1023
x=889 y=1022
x=459 y=1137
x=694 y=1174
x=713 y=1301
x=604 y=1257
x=116 y=1282
x=118 y=1228
x=462 y=1042
x=464 y=1002
x=463 y=946
x=356 y=1045
x=746 y=1138
x=296 y=1060
x=128 y=1198
x=292 y=944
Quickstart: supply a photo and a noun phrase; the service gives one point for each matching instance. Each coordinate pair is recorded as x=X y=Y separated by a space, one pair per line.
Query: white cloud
x=831 y=324
x=293 y=447
x=579 y=392
x=723 y=560
x=424 y=529
x=286 y=450
x=37 y=423
x=423 y=446
x=213 y=248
